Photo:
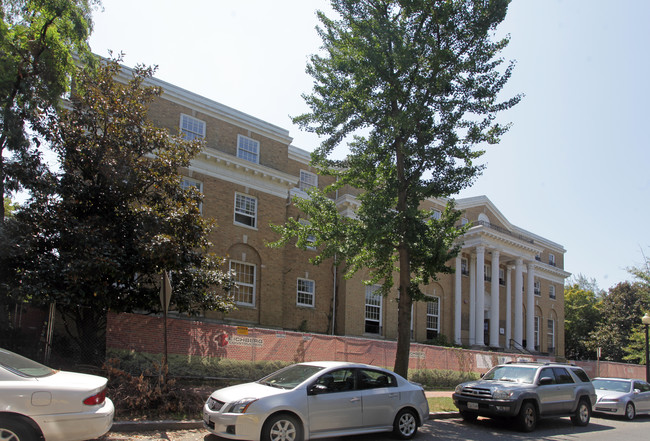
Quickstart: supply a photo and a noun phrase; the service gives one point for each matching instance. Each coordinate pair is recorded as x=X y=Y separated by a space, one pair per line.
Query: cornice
x=229 y=168
x=299 y=155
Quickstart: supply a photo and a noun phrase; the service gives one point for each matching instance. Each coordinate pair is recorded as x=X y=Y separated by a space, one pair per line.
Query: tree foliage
x=117 y=216
x=38 y=42
x=621 y=310
x=414 y=85
x=581 y=317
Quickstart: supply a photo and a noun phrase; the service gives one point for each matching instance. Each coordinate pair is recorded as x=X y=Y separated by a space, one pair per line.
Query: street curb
x=146 y=426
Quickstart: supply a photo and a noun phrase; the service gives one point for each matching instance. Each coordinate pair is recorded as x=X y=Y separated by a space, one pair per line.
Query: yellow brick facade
x=338 y=305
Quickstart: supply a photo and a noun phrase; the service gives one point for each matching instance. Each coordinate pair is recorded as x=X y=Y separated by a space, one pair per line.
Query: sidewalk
x=143 y=426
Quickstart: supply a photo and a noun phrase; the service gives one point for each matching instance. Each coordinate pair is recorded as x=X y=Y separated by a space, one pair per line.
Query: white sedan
x=317 y=400
x=37 y=402
x=622 y=396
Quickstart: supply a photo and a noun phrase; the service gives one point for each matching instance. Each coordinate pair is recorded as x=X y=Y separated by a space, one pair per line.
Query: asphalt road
x=454 y=429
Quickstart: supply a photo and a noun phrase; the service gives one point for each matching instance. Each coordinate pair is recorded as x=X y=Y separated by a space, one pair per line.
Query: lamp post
x=646 y=323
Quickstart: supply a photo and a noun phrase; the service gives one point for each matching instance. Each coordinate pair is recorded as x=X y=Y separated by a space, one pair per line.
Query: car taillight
x=96 y=399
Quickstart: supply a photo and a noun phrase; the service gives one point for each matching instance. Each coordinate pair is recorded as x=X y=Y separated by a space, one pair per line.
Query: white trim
x=242 y=212
x=306 y=293
x=244 y=151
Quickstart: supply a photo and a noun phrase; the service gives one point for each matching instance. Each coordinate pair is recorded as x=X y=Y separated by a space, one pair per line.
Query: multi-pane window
x=248 y=149
x=433 y=317
x=373 y=310
x=245 y=210
x=537 y=333
x=502 y=277
x=192 y=128
x=551 y=291
x=464 y=266
x=551 y=259
x=551 y=337
x=487 y=273
x=306 y=290
x=538 y=288
x=311 y=239
x=307 y=180
x=187 y=183
x=244 y=289
x=437 y=214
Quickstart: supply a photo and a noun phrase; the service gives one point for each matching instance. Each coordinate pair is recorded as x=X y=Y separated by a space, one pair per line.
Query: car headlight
x=500 y=394
x=241 y=406
x=459 y=388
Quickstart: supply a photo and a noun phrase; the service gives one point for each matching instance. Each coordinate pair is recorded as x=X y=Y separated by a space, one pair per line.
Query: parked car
x=622 y=396
x=317 y=400
x=37 y=402
x=528 y=392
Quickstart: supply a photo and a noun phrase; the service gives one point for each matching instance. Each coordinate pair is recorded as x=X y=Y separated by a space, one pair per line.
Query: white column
x=519 y=304
x=494 y=304
x=480 y=295
x=472 y=300
x=458 y=301
x=508 y=305
x=530 y=308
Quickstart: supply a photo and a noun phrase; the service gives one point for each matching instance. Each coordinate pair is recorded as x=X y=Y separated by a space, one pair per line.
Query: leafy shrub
x=440 y=379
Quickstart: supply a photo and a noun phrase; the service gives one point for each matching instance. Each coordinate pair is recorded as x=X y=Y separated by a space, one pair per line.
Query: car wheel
x=527 y=417
x=282 y=427
x=405 y=425
x=12 y=430
x=470 y=417
x=630 y=411
x=583 y=413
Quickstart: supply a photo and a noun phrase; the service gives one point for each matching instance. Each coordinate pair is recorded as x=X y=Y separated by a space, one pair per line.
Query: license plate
x=473 y=406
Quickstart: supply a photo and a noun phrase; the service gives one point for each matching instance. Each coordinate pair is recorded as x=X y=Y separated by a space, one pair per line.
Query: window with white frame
x=311 y=239
x=551 y=337
x=464 y=266
x=538 y=288
x=192 y=128
x=502 y=277
x=551 y=291
x=248 y=149
x=437 y=214
x=464 y=221
x=551 y=259
x=187 y=183
x=245 y=210
x=305 y=292
x=307 y=180
x=373 y=310
x=536 y=338
x=244 y=276
x=487 y=273
x=433 y=317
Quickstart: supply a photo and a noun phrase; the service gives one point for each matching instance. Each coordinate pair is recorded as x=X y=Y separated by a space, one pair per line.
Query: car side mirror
x=317 y=389
x=637 y=391
x=545 y=380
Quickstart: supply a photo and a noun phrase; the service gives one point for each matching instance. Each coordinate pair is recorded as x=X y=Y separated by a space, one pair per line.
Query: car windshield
x=612 y=385
x=22 y=366
x=291 y=376
x=516 y=374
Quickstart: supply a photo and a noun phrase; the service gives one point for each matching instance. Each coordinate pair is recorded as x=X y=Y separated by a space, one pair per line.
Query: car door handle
x=393 y=395
x=354 y=400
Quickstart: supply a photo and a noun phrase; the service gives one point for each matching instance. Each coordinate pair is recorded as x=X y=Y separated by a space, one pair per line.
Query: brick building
x=507 y=292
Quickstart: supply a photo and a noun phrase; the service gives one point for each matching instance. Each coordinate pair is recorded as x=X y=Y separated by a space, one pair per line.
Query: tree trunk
x=403 y=316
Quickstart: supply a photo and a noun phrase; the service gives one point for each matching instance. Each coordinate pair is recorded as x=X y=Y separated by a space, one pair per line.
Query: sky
x=574 y=166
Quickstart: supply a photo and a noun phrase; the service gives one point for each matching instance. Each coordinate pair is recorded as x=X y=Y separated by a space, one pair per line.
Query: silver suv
x=528 y=392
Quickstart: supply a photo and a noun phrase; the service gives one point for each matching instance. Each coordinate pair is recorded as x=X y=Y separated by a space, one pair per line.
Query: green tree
x=581 y=315
x=119 y=216
x=9 y=207
x=38 y=39
x=621 y=310
x=415 y=84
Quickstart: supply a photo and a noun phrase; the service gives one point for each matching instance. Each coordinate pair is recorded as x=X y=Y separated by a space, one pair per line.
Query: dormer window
x=248 y=149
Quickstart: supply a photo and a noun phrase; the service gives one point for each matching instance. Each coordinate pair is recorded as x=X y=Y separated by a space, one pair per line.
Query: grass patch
x=441 y=404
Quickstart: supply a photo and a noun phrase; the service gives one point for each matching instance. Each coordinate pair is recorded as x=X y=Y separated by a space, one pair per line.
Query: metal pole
x=647 y=365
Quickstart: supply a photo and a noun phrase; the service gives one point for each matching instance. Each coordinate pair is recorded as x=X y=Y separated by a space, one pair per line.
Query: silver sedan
x=622 y=396
x=317 y=400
